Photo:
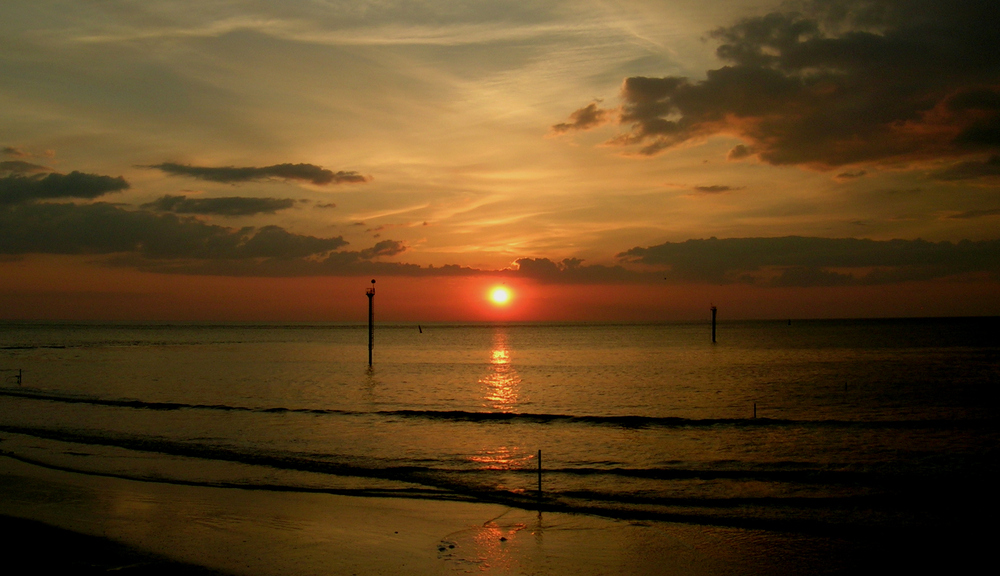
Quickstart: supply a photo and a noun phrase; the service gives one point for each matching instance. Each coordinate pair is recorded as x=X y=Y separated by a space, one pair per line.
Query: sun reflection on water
x=501 y=393
x=502 y=383
x=502 y=458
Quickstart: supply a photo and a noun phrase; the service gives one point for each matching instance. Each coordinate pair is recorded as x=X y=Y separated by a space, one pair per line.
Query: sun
x=500 y=295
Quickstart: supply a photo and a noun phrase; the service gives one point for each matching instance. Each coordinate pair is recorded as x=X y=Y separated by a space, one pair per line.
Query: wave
x=619 y=421
x=805 y=505
x=425 y=470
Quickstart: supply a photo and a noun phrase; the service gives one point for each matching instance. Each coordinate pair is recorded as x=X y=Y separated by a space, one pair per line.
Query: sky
x=633 y=160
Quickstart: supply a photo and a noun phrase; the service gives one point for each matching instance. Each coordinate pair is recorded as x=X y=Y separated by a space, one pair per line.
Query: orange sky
x=632 y=160
x=31 y=292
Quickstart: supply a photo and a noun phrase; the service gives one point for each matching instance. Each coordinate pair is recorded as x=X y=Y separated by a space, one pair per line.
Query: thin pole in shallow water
x=714 y=309
x=371 y=321
x=539 y=473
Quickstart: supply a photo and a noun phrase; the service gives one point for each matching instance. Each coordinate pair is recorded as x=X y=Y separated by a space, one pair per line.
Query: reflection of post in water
x=502 y=383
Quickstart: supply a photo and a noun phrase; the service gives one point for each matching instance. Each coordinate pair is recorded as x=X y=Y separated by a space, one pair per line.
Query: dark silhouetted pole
x=539 y=473
x=371 y=321
x=713 y=323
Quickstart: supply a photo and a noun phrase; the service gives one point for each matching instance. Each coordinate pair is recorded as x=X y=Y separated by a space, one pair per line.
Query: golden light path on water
x=501 y=385
x=501 y=393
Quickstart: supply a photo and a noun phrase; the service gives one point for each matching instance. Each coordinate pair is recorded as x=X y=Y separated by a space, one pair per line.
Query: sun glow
x=500 y=295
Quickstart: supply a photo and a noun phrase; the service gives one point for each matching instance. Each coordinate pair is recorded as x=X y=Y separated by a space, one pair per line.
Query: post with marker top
x=371 y=321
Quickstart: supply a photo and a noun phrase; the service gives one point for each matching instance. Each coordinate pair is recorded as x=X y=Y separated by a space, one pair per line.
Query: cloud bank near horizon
x=166 y=236
x=804 y=261
x=169 y=243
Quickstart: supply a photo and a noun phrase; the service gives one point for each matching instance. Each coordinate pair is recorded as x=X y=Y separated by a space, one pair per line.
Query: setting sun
x=500 y=295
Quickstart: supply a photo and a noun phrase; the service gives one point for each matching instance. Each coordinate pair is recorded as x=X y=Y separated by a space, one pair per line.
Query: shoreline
x=93 y=524
x=253 y=533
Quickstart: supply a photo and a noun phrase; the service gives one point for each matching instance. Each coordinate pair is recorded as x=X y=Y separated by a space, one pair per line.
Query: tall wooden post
x=371 y=321
x=713 y=324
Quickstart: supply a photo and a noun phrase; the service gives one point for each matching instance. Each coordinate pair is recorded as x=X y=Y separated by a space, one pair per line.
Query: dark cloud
x=739 y=152
x=810 y=276
x=970 y=170
x=843 y=82
x=976 y=214
x=383 y=248
x=340 y=263
x=583 y=119
x=170 y=243
x=363 y=262
x=715 y=189
x=337 y=263
x=17 y=188
x=800 y=261
x=22 y=167
x=225 y=206
x=230 y=174
x=572 y=270
x=851 y=175
x=325 y=205
x=982 y=106
x=102 y=228
x=11 y=151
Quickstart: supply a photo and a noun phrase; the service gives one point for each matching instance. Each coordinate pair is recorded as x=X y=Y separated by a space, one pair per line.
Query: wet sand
x=91 y=524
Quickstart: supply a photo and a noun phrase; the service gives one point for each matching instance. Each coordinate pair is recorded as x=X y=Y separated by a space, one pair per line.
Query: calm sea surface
x=808 y=425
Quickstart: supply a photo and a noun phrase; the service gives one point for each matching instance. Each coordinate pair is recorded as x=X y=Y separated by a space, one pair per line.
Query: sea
x=819 y=426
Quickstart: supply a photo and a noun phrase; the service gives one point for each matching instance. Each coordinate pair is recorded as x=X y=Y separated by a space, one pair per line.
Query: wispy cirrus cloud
x=353 y=24
x=22 y=167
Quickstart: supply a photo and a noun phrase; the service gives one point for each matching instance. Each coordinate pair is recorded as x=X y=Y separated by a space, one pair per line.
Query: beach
x=91 y=524
x=258 y=533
